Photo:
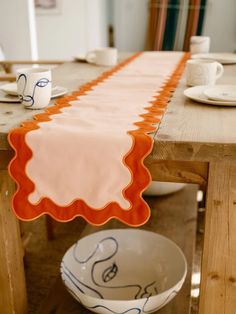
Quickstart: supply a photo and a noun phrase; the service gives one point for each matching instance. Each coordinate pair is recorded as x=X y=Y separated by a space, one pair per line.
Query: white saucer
x=221 y=92
x=224 y=57
x=58 y=91
x=8 y=94
x=197 y=93
x=9 y=88
x=8 y=98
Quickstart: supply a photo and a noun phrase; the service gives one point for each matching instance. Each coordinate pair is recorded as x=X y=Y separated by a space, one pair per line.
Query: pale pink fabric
x=89 y=139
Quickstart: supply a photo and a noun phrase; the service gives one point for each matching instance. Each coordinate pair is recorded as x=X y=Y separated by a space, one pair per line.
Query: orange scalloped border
x=139 y=212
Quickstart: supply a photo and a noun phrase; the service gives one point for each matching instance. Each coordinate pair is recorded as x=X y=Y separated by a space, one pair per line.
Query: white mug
x=199 y=44
x=203 y=72
x=34 y=87
x=103 y=56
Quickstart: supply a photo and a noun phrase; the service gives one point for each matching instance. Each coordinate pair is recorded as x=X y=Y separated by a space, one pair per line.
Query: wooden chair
x=7 y=73
x=7 y=66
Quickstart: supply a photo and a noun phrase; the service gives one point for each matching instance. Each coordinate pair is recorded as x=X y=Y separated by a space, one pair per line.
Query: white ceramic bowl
x=163 y=188
x=128 y=271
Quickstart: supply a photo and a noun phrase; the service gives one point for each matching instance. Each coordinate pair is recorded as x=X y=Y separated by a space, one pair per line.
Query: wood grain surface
x=11 y=254
x=218 y=283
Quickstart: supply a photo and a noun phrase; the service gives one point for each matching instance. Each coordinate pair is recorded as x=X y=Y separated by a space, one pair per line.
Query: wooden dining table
x=195 y=143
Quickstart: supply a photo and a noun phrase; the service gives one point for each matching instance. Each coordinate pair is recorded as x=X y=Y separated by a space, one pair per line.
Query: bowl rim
x=183 y=277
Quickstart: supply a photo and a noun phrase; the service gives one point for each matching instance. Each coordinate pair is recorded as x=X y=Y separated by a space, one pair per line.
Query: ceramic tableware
x=124 y=271
x=223 y=58
x=221 y=93
x=163 y=188
x=199 y=44
x=196 y=93
x=103 y=56
x=9 y=88
x=8 y=98
x=34 y=87
x=8 y=92
x=203 y=72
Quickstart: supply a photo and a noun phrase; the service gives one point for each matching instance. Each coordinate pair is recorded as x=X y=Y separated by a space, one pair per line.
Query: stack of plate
x=8 y=92
x=222 y=57
x=218 y=95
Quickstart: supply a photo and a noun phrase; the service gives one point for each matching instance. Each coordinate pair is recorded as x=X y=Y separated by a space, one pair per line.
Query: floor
x=42 y=257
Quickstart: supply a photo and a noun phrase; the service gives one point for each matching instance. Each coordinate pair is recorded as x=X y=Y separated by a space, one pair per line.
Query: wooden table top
x=195 y=131
x=188 y=131
x=70 y=75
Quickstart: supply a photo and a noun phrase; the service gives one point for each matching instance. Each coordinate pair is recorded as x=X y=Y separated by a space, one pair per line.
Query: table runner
x=84 y=156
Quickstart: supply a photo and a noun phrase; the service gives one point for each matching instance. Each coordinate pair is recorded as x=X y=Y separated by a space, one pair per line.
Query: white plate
x=221 y=92
x=197 y=93
x=58 y=91
x=9 y=88
x=8 y=98
x=224 y=58
x=5 y=96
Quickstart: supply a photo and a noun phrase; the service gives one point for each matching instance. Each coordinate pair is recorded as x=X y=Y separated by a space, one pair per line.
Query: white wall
x=130 y=24
x=14 y=29
x=131 y=19
x=220 y=25
x=96 y=24
x=79 y=27
x=82 y=25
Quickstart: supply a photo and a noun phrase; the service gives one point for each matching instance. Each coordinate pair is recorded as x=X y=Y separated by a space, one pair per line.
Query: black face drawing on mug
x=30 y=99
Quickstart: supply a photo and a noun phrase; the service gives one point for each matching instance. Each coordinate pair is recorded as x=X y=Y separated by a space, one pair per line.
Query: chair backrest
x=2 y=57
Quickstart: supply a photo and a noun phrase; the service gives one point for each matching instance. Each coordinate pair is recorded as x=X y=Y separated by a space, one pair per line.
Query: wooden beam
x=5 y=157
x=7 y=77
x=178 y=171
x=218 y=281
x=2 y=62
x=7 y=64
x=12 y=280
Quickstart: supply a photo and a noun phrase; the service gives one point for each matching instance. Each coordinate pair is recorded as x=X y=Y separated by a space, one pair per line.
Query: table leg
x=12 y=280
x=218 y=279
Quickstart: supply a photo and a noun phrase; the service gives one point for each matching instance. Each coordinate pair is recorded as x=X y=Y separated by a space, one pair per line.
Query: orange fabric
x=142 y=146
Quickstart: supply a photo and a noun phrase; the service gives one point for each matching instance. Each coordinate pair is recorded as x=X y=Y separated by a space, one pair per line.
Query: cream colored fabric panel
x=89 y=139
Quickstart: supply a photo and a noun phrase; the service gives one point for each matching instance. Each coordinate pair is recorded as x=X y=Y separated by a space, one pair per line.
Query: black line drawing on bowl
x=76 y=282
x=110 y=272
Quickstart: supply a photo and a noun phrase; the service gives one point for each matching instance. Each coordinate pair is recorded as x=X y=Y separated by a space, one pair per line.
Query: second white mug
x=199 y=44
x=203 y=72
x=103 y=56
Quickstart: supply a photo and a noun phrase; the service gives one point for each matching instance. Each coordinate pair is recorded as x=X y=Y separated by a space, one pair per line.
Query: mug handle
x=91 y=57
x=220 y=70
